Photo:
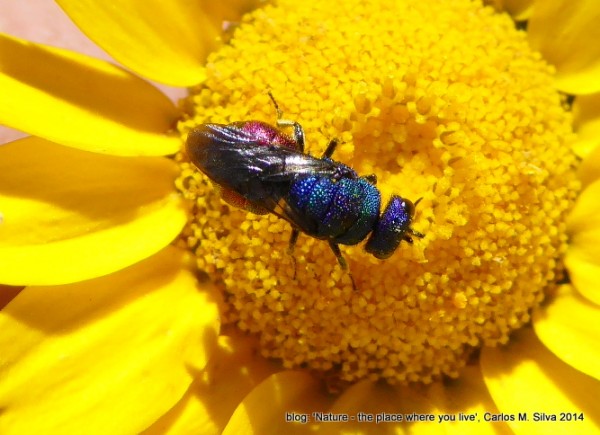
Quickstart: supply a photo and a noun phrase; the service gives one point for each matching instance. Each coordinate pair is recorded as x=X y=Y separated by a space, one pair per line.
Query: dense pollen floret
x=441 y=100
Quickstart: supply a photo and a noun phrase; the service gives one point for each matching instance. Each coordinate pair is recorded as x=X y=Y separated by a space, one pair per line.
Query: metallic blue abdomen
x=343 y=211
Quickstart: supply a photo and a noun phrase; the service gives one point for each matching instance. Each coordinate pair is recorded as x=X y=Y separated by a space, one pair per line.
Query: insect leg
x=371 y=178
x=330 y=148
x=298 y=130
x=342 y=261
x=291 y=246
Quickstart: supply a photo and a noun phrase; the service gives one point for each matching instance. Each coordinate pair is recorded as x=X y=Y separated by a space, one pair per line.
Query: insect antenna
x=277 y=109
x=410 y=233
x=298 y=130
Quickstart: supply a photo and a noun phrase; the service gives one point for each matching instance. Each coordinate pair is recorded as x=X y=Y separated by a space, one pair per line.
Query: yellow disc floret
x=440 y=99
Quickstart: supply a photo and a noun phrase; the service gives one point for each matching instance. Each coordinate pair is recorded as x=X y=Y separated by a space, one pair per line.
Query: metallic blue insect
x=263 y=170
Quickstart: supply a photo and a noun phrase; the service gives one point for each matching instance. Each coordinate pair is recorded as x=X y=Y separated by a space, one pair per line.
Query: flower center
x=441 y=100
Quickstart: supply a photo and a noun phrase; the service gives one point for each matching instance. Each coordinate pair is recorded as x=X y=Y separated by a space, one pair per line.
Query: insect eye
x=409 y=207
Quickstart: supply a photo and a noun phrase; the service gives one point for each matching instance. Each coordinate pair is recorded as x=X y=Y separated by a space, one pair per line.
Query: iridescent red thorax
x=266 y=134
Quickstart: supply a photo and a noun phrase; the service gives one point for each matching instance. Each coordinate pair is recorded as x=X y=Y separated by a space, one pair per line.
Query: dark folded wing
x=231 y=157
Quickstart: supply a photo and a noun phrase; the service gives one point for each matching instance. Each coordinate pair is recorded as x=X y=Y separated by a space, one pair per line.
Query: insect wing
x=204 y=134
x=227 y=153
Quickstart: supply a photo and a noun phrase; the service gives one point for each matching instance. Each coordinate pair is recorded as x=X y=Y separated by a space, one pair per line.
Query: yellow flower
x=116 y=331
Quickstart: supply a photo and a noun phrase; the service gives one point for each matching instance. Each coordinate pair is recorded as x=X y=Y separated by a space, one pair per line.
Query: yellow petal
x=589 y=170
x=466 y=405
x=586 y=120
x=585 y=215
x=584 y=271
x=390 y=409
x=450 y=407
x=285 y=395
x=70 y=215
x=519 y=9
x=7 y=294
x=565 y=31
x=164 y=41
x=569 y=327
x=232 y=372
x=82 y=102
x=108 y=355
x=525 y=378
x=583 y=256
